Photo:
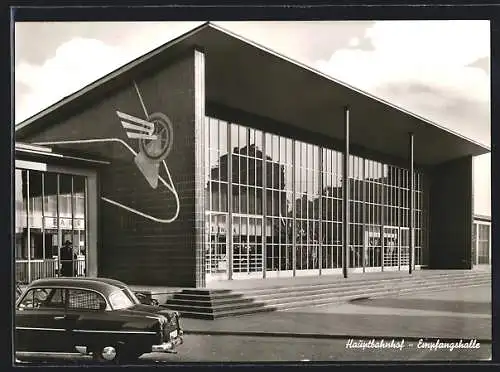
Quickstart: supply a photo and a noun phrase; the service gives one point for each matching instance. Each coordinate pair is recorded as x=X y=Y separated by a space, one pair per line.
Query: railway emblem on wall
x=155 y=137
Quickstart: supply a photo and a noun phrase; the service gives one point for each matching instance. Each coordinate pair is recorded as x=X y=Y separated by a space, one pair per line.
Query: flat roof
x=243 y=75
x=47 y=152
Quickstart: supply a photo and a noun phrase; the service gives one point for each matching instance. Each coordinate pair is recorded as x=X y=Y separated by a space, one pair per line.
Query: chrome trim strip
x=41 y=329
x=108 y=331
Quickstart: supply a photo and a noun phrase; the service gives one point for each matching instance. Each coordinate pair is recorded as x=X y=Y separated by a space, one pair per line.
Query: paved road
x=453 y=313
x=456 y=313
x=274 y=349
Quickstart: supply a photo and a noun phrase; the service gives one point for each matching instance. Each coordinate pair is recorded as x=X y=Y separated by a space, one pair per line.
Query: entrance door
x=390 y=248
x=404 y=241
x=216 y=256
x=247 y=246
x=372 y=248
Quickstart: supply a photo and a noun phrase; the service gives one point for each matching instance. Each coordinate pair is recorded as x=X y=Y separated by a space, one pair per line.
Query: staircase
x=212 y=304
x=217 y=303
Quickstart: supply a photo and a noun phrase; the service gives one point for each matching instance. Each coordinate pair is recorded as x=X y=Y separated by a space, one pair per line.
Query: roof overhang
x=43 y=152
x=245 y=76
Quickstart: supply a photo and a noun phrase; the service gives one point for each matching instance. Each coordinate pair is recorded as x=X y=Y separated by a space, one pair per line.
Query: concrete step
x=228 y=313
x=313 y=290
x=212 y=304
x=362 y=292
x=209 y=302
x=357 y=282
x=350 y=297
x=213 y=313
x=226 y=307
x=199 y=297
x=206 y=292
x=357 y=294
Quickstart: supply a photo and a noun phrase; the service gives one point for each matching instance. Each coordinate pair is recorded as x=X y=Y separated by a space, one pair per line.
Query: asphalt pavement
x=402 y=328
x=452 y=314
x=199 y=349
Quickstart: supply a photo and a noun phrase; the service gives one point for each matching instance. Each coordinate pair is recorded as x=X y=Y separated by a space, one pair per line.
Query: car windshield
x=120 y=300
x=131 y=295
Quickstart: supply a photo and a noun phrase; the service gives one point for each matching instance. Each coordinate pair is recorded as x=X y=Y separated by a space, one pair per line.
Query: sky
x=437 y=69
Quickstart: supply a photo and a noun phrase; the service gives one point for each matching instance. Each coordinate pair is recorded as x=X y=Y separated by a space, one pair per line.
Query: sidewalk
x=359 y=321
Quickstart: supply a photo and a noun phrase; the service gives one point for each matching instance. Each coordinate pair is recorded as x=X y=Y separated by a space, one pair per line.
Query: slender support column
x=28 y=220
x=412 y=203
x=264 y=207
x=229 y=223
x=345 y=195
x=364 y=214
x=320 y=209
x=294 y=209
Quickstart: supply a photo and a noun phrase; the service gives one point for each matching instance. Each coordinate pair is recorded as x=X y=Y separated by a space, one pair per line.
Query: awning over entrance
x=242 y=75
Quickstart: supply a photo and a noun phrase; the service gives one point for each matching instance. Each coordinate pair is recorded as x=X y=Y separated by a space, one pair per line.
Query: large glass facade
x=274 y=205
x=50 y=210
x=481 y=243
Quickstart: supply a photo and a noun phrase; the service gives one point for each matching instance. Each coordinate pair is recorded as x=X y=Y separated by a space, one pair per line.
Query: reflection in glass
x=47 y=197
x=378 y=197
x=50 y=215
x=35 y=215
x=21 y=229
x=79 y=229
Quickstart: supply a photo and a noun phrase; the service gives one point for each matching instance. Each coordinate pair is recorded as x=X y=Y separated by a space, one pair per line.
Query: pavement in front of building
x=459 y=313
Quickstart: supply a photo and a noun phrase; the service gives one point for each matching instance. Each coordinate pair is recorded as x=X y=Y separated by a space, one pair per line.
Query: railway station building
x=212 y=158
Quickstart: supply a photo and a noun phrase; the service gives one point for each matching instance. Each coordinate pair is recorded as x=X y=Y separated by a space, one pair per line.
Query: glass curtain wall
x=279 y=177
x=277 y=203
x=481 y=243
x=331 y=211
x=50 y=210
x=307 y=209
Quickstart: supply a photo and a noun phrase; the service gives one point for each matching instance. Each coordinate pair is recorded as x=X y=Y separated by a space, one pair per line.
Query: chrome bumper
x=167 y=347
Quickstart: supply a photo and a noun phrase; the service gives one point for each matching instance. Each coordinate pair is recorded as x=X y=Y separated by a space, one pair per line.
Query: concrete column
x=229 y=223
x=345 y=195
x=412 y=202
x=294 y=208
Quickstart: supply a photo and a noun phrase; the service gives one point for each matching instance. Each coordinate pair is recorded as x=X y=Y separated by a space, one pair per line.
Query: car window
x=81 y=299
x=34 y=298
x=55 y=298
x=120 y=300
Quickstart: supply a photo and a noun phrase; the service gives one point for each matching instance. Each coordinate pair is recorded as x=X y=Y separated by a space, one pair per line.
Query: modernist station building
x=212 y=158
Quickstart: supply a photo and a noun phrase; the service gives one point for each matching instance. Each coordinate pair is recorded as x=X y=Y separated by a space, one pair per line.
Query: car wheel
x=105 y=354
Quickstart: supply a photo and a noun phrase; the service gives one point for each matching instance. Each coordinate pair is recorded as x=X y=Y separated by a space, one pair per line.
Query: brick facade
x=131 y=247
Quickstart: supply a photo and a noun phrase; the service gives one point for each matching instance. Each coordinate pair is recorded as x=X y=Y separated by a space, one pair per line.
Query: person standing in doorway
x=67 y=256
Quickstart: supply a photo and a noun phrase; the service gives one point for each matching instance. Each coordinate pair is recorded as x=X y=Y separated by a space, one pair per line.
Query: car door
x=40 y=320
x=86 y=317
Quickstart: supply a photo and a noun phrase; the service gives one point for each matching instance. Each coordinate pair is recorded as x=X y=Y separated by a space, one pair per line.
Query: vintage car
x=94 y=316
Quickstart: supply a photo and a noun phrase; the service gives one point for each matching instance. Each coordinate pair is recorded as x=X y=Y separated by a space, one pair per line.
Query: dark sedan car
x=96 y=316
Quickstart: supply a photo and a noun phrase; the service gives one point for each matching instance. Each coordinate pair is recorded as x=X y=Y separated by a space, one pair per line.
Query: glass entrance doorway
x=404 y=243
x=372 y=249
x=51 y=234
x=390 y=241
x=396 y=248
x=247 y=246
x=216 y=257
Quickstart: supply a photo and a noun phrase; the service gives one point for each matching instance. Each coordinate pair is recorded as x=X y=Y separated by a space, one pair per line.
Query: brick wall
x=133 y=248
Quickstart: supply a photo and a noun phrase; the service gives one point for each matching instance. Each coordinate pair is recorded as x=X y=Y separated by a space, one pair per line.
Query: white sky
x=436 y=69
